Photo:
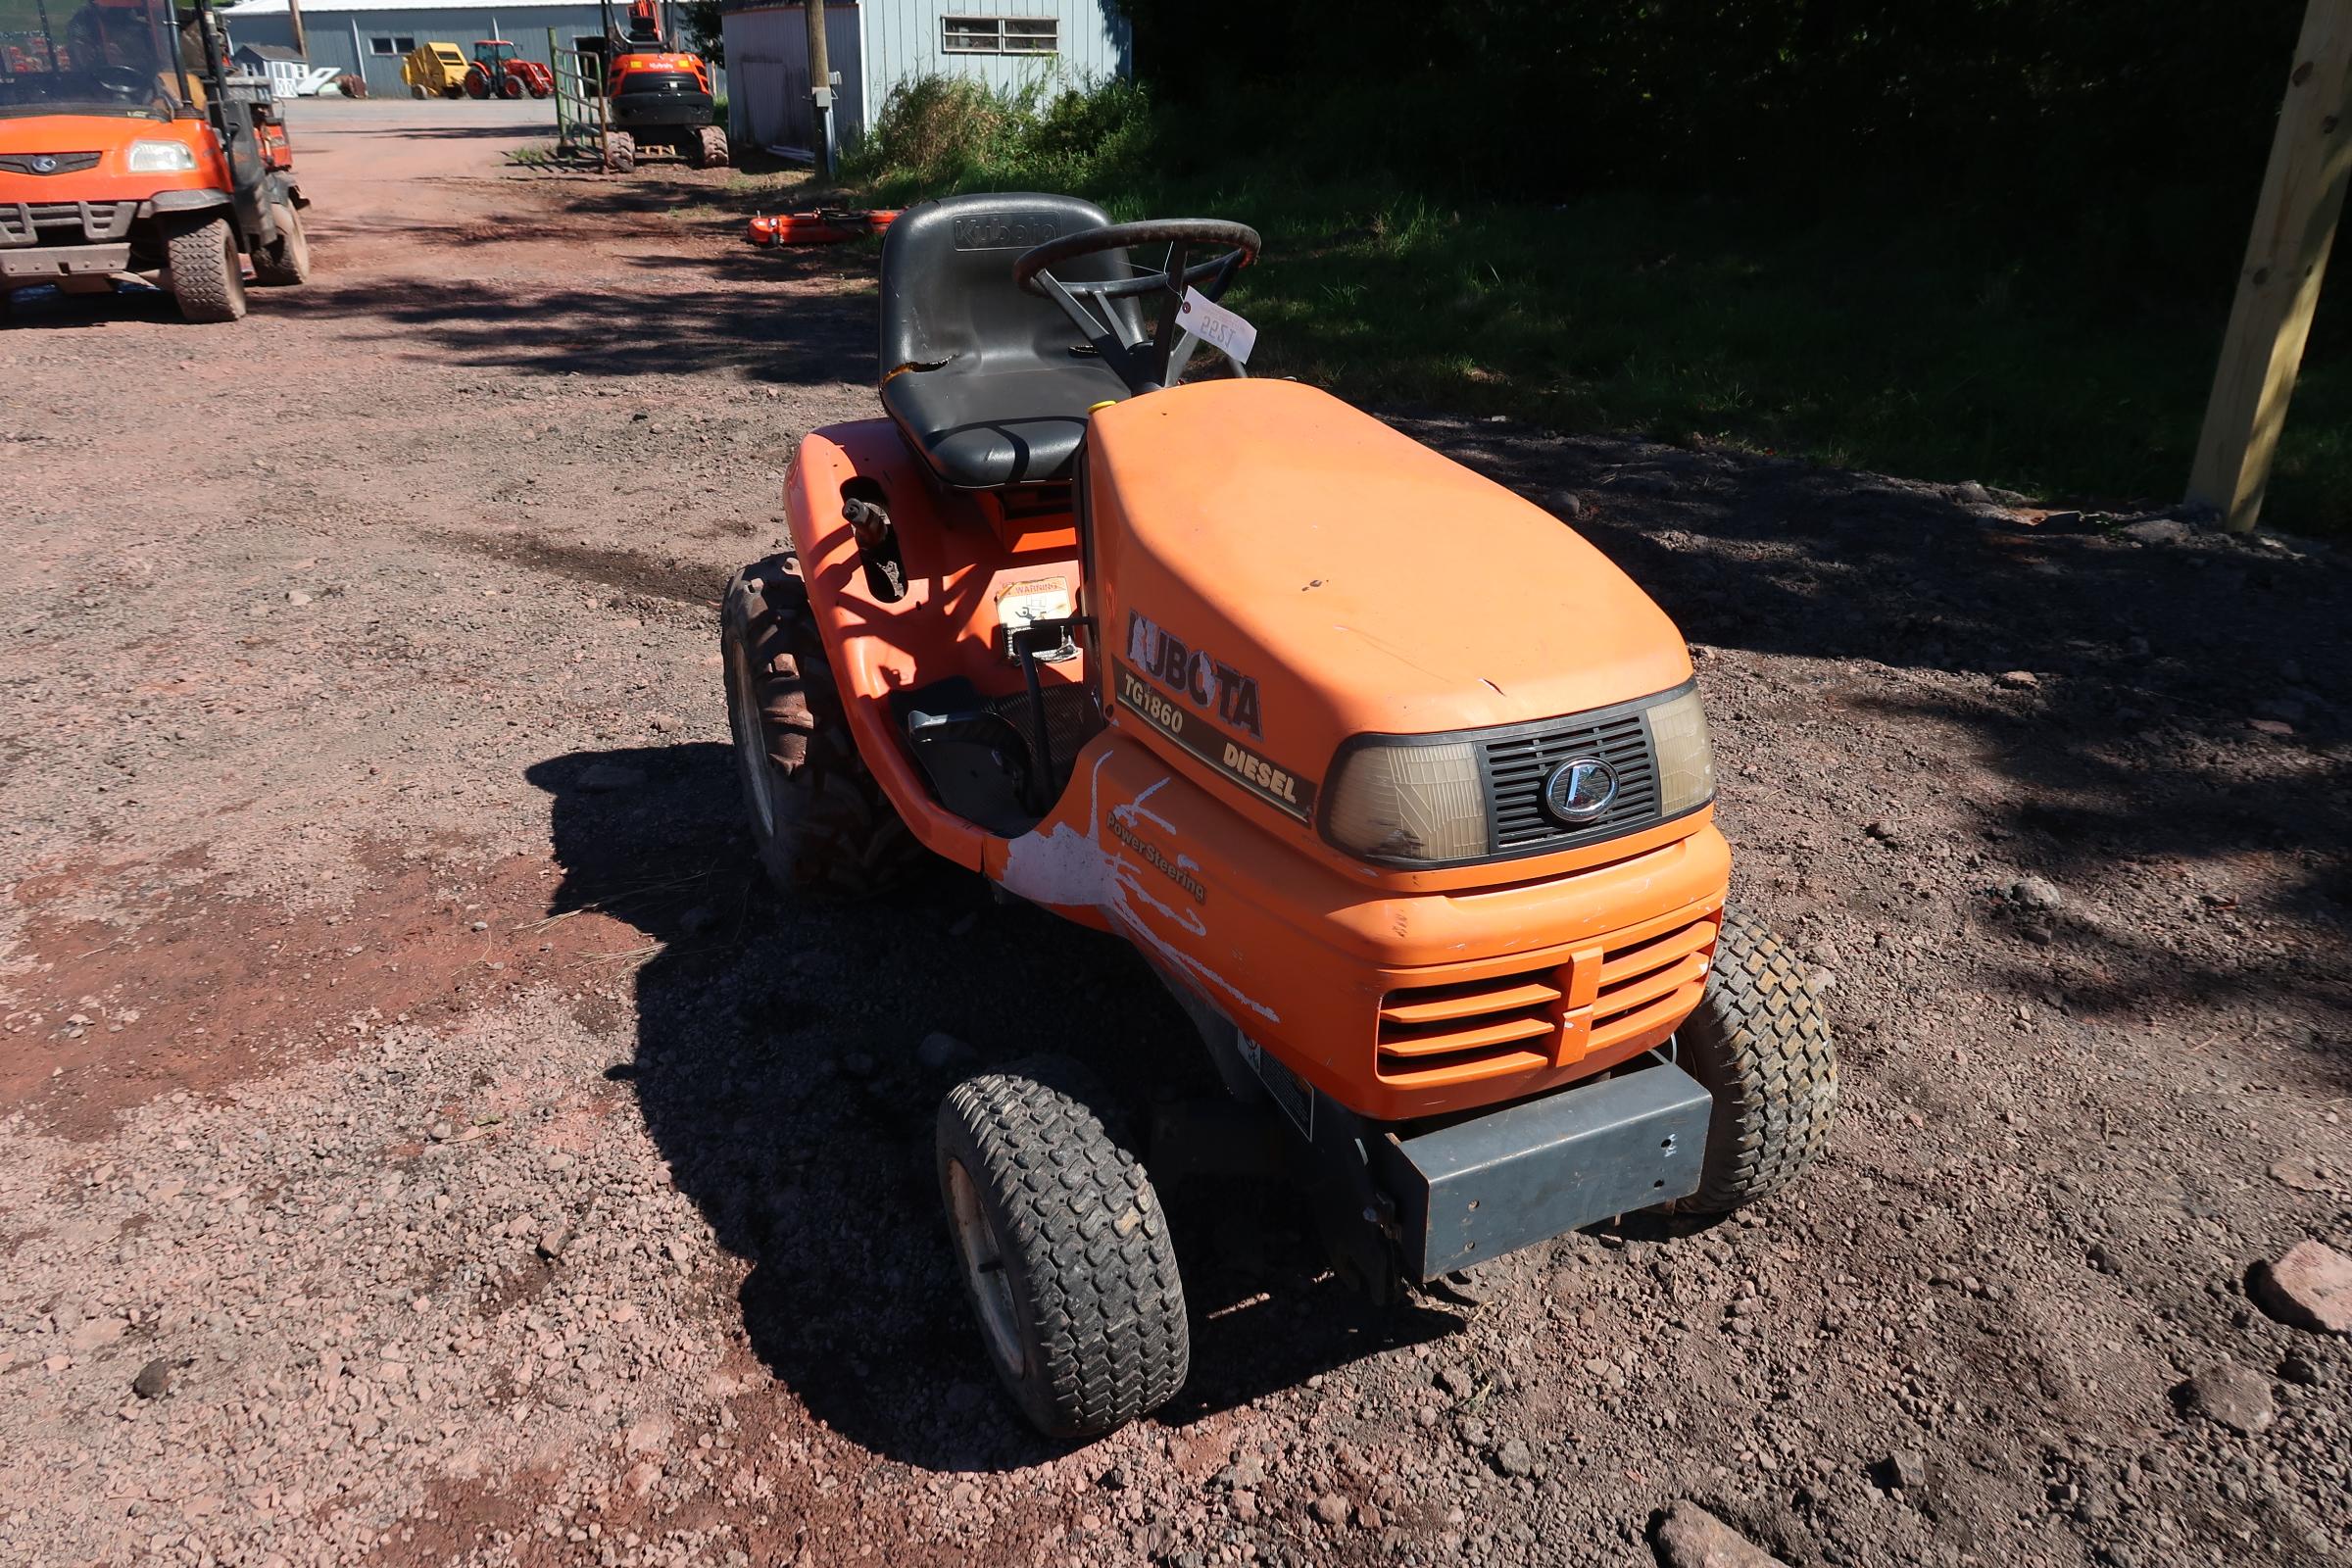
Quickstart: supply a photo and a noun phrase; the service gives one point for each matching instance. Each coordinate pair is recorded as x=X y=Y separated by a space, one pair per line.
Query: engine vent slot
x=1651 y=982
x=1470 y=1029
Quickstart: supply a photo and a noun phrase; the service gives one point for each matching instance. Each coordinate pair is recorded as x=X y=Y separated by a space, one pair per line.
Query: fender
x=188 y=201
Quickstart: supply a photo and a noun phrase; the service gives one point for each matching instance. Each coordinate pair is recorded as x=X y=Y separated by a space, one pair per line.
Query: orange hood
x=110 y=136
x=1321 y=576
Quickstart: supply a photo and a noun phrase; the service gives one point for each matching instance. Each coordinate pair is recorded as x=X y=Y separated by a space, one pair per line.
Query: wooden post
x=2278 y=288
x=820 y=89
x=301 y=41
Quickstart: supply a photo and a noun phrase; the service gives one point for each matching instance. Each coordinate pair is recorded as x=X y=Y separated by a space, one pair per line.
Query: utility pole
x=821 y=90
x=302 y=43
x=2278 y=288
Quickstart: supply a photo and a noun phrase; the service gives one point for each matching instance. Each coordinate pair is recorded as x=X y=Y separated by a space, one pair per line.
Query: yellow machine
x=435 y=67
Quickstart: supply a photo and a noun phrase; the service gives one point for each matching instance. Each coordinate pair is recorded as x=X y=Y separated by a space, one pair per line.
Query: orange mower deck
x=824 y=226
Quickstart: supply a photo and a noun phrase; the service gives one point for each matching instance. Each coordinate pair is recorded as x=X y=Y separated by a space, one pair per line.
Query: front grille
x=58 y=162
x=1517 y=765
x=1642 y=983
x=21 y=223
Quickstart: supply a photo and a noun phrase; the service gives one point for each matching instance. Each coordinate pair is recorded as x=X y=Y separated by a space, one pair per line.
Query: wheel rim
x=983 y=1259
x=751 y=742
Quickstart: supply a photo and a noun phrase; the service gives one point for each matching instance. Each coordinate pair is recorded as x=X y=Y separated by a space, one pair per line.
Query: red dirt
x=197 y=987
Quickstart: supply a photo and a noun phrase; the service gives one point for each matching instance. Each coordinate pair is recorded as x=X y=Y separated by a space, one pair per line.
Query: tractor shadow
x=2148 y=654
x=777 y=1071
x=708 y=321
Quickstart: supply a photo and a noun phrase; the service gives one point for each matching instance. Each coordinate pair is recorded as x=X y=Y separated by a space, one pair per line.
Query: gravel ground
x=430 y=1144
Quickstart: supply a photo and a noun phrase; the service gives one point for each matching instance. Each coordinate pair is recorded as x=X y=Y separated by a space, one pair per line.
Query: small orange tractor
x=498 y=71
x=131 y=150
x=1403 y=789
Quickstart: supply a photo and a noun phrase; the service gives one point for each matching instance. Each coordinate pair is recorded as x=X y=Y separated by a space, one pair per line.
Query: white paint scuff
x=1070 y=869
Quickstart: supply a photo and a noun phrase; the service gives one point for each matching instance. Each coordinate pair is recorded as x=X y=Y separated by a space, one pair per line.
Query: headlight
x=1404 y=801
x=161 y=158
x=1409 y=803
x=1678 y=733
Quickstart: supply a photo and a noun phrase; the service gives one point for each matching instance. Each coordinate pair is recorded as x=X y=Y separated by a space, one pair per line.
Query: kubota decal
x=1192 y=673
x=1003 y=231
x=1265 y=778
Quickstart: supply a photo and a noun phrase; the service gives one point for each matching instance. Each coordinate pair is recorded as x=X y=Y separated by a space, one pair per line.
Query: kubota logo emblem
x=44 y=165
x=1580 y=789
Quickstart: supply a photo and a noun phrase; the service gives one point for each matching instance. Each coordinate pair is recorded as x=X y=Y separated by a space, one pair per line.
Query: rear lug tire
x=288 y=261
x=820 y=820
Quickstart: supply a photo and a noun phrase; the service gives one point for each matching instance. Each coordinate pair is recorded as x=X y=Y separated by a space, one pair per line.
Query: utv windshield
x=92 y=57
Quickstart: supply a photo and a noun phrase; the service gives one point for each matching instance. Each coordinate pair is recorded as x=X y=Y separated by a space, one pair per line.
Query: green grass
x=1927 y=344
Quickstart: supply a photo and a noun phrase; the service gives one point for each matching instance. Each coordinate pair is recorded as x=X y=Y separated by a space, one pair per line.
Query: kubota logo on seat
x=1003 y=231
x=1212 y=685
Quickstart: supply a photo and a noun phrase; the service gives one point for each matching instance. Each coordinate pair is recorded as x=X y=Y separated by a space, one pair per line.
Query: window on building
x=381 y=47
x=1032 y=35
x=1000 y=36
x=404 y=46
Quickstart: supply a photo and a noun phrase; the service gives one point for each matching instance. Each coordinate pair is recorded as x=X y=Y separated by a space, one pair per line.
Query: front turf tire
x=1065 y=1252
x=200 y=255
x=1760 y=1043
x=818 y=819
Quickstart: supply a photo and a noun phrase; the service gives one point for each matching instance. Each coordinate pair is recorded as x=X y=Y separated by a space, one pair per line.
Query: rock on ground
x=1689 y=1537
x=2231 y=1395
x=2309 y=1287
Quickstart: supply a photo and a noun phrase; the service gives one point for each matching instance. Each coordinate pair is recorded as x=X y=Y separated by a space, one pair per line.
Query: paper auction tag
x=1215 y=326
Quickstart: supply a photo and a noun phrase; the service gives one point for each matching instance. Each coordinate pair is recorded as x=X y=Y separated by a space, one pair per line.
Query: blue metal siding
x=340 y=38
x=904 y=37
x=878 y=44
x=767 y=60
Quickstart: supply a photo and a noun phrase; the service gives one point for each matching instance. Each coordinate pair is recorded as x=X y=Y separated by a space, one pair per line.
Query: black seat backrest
x=947 y=282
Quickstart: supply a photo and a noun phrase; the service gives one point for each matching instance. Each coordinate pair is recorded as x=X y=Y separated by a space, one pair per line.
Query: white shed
x=873 y=45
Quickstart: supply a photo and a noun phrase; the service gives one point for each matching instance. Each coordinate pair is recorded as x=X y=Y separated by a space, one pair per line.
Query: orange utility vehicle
x=657 y=96
x=129 y=149
x=1401 y=786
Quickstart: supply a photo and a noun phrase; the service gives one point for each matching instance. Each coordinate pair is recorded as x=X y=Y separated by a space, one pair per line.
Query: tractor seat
x=980 y=376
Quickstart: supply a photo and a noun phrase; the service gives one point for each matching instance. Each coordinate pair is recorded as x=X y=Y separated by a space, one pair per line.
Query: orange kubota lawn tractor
x=1403 y=789
x=129 y=149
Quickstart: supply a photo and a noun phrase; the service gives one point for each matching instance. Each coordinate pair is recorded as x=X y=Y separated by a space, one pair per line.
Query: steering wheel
x=1144 y=363
x=120 y=81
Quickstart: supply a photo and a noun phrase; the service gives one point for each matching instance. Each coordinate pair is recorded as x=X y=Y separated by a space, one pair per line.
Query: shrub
x=939 y=134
